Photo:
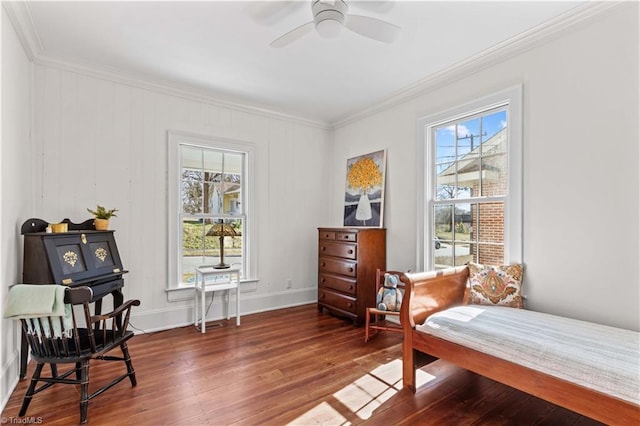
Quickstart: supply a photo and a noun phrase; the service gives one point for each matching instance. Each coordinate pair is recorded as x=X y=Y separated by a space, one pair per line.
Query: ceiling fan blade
x=373 y=28
x=293 y=35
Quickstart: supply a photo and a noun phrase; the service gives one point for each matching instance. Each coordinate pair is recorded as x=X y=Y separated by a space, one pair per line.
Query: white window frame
x=511 y=100
x=175 y=288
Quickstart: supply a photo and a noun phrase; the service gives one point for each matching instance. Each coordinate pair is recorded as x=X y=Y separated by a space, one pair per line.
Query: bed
x=587 y=368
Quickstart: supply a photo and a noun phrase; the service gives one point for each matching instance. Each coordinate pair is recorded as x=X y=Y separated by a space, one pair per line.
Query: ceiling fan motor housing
x=329 y=16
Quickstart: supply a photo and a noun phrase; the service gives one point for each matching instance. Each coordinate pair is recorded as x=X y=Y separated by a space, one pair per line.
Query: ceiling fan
x=330 y=16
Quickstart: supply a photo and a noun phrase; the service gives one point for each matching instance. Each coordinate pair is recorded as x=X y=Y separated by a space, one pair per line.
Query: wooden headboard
x=430 y=292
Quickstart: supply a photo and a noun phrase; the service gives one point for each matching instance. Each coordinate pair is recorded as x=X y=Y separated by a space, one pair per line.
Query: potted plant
x=102 y=217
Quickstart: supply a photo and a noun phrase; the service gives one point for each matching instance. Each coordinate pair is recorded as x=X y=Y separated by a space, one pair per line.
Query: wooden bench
x=429 y=292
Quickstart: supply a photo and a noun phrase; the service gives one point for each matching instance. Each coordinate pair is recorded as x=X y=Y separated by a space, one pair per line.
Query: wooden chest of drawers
x=347 y=262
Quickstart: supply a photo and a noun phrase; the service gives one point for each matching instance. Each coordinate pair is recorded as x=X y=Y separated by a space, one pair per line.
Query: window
x=472 y=178
x=209 y=206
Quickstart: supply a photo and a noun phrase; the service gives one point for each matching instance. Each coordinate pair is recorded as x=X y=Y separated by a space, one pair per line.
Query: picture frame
x=364 y=190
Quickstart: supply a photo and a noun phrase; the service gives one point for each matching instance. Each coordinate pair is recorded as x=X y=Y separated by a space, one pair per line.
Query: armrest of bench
x=430 y=292
x=426 y=293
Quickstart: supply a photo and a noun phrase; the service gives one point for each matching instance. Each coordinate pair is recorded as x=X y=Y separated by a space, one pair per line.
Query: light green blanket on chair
x=38 y=300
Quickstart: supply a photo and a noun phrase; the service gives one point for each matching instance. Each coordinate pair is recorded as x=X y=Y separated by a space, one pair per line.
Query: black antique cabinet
x=80 y=257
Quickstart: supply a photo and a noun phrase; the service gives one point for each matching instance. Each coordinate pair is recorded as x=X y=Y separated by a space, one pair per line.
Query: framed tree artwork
x=364 y=191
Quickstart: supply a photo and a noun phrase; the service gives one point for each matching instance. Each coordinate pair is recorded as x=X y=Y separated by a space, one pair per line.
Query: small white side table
x=210 y=279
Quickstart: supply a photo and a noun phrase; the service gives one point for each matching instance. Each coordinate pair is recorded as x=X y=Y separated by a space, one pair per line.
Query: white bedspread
x=598 y=357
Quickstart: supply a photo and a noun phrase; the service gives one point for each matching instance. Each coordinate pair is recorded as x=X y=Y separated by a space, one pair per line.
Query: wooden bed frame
x=430 y=292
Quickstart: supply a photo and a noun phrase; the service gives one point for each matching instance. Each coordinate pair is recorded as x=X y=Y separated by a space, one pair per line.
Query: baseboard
x=180 y=316
x=10 y=377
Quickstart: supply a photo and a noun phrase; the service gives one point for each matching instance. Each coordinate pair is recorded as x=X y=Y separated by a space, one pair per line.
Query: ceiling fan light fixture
x=329 y=17
x=329 y=28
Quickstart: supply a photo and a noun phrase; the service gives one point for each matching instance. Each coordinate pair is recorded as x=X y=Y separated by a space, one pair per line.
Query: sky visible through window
x=471 y=133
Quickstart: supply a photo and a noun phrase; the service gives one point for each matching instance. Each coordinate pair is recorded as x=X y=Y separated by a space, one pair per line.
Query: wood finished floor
x=291 y=366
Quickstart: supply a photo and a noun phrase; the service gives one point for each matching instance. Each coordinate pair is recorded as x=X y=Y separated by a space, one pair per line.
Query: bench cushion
x=602 y=358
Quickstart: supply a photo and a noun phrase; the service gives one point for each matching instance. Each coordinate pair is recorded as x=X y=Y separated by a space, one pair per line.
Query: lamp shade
x=220 y=229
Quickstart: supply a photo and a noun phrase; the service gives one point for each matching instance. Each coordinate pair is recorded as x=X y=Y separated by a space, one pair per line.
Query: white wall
x=104 y=140
x=16 y=187
x=581 y=178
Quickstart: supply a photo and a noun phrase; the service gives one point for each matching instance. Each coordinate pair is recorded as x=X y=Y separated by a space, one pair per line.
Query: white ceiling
x=220 y=49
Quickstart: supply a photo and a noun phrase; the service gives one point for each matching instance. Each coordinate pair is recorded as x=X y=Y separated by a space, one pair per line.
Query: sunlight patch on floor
x=363 y=396
x=390 y=373
x=323 y=414
x=422 y=377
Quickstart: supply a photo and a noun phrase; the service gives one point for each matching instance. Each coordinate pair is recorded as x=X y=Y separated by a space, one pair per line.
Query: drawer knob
x=346 y=237
x=322 y=280
x=321 y=295
x=349 y=304
x=350 y=269
x=350 y=251
x=323 y=248
x=351 y=287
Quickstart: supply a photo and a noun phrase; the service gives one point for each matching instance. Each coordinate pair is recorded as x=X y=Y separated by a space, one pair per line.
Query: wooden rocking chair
x=380 y=317
x=55 y=341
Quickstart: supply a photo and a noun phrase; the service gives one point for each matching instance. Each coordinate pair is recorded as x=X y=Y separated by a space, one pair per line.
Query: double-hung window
x=209 y=208
x=471 y=210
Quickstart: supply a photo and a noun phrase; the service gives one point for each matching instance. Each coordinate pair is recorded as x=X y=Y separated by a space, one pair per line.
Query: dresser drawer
x=338 y=249
x=337 y=300
x=345 y=285
x=328 y=235
x=347 y=236
x=338 y=236
x=338 y=266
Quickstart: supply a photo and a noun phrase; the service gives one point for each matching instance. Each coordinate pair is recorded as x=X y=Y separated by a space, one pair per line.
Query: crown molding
x=173 y=89
x=20 y=15
x=501 y=52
